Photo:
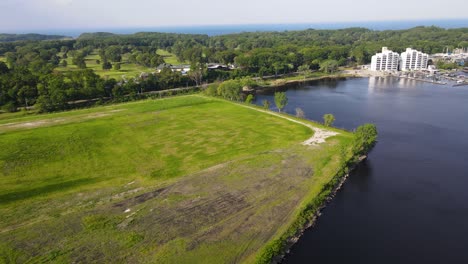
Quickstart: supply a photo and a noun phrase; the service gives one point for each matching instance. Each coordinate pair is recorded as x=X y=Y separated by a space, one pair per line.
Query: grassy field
x=169 y=57
x=180 y=180
x=129 y=70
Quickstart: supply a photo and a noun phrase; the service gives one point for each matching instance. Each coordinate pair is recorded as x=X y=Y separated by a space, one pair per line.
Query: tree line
x=29 y=74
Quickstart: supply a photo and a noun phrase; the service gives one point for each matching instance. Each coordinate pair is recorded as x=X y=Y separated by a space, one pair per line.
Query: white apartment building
x=413 y=60
x=385 y=61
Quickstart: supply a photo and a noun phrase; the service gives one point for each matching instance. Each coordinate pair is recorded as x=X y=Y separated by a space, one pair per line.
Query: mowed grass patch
x=179 y=180
x=169 y=57
x=127 y=69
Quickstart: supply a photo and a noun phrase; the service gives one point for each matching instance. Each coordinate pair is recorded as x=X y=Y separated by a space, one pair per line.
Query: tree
x=64 y=63
x=113 y=53
x=365 y=138
x=281 y=100
x=3 y=67
x=300 y=113
x=106 y=65
x=117 y=66
x=249 y=99
x=230 y=90
x=79 y=61
x=328 y=119
x=197 y=70
x=329 y=66
x=304 y=70
x=266 y=104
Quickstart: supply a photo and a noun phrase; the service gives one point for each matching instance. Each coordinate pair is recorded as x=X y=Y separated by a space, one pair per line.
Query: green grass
x=129 y=70
x=205 y=181
x=169 y=57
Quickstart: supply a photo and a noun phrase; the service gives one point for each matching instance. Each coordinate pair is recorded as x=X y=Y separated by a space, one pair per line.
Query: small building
x=184 y=68
x=217 y=66
x=387 y=60
x=162 y=66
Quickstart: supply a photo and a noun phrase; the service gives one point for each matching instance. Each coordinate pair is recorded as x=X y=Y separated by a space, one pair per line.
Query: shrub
x=328 y=119
x=249 y=99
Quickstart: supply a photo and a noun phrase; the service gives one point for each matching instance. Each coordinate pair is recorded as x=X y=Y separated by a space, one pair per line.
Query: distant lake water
x=408 y=203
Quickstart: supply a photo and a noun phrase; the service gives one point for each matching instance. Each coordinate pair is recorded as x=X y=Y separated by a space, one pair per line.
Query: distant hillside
x=95 y=35
x=22 y=37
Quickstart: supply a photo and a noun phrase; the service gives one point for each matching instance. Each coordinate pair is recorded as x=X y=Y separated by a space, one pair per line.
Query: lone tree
x=328 y=119
x=266 y=104
x=281 y=100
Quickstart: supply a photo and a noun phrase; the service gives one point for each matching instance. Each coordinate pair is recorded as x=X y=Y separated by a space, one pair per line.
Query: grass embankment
x=177 y=180
x=129 y=70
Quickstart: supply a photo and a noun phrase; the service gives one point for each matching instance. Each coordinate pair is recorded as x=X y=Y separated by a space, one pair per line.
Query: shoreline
x=311 y=79
x=291 y=241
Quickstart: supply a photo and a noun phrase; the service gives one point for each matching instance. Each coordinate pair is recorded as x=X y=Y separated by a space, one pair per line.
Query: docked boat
x=465 y=69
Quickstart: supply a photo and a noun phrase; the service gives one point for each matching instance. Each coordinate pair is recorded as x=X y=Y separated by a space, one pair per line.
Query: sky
x=73 y=14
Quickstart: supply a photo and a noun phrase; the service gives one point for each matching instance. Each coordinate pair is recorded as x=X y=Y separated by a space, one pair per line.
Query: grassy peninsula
x=168 y=181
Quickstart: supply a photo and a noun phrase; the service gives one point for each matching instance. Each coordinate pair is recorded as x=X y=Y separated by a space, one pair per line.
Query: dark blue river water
x=408 y=203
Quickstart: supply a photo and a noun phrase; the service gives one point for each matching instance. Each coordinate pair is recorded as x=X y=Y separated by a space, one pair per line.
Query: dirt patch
x=139 y=199
x=54 y=121
x=319 y=137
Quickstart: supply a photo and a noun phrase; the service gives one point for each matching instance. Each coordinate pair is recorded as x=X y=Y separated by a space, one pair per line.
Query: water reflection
x=407 y=202
x=360 y=177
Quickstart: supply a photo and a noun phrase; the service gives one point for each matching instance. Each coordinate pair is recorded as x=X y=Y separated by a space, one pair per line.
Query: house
x=217 y=66
x=162 y=66
x=183 y=68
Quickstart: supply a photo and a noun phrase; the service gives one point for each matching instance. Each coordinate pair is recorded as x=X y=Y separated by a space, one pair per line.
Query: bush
x=249 y=99
x=300 y=113
x=9 y=107
x=328 y=119
x=211 y=90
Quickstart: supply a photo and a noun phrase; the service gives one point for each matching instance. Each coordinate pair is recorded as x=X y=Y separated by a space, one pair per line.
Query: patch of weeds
x=97 y=222
x=133 y=239
x=9 y=255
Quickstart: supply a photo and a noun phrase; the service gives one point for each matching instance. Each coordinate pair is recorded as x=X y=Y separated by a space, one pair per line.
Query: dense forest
x=30 y=37
x=29 y=72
